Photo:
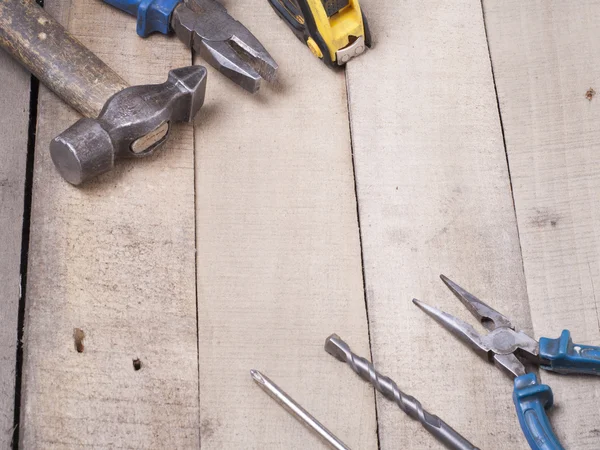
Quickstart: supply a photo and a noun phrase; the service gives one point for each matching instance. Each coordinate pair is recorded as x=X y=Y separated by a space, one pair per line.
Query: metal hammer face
x=134 y=123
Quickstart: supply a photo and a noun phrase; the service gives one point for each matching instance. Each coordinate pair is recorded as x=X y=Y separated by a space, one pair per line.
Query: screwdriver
x=296 y=410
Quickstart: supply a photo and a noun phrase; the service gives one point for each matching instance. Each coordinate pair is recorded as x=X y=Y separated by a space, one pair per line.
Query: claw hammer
x=119 y=121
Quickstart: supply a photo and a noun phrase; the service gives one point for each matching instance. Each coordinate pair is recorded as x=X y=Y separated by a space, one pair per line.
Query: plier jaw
x=205 y=26
x=223 y=42
x=506 y=348
x=510 y=350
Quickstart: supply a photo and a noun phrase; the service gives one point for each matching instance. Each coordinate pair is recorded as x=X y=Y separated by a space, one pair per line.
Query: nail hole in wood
x=137 y=364
x=78 y=336
x=590 y=94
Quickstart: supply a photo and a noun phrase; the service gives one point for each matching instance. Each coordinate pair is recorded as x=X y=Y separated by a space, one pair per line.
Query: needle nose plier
x=205 y=26
x=510 y=351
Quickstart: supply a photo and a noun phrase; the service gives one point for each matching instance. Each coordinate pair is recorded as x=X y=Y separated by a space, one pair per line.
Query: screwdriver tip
x=257 y=376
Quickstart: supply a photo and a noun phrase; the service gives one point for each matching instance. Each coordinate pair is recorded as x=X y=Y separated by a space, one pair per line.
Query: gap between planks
x=27 y=197
x=360 y=242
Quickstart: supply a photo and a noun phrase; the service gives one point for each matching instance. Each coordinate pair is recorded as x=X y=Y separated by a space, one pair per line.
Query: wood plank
x=279 y=264
x=115 y=259
x=434 y=197
x=544 y=55
x=14 y=123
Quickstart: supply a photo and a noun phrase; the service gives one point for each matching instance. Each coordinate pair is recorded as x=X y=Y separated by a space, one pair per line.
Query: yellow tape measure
x=334 y=30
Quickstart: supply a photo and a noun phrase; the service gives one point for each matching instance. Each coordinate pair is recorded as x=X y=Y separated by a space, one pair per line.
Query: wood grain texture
x=279 y=264
x=114 y=259
x=434 y=197
x=545 y=58
x=14 y=122
x=56 y=58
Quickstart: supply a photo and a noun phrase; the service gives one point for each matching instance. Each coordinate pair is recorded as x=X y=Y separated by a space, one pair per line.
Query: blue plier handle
x=562 y=356
x=152 y=15
x=507 y=347
x=531 y=400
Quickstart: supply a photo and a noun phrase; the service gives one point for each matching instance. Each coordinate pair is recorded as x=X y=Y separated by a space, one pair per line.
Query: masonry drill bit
x=337 y=348
x=296 y=410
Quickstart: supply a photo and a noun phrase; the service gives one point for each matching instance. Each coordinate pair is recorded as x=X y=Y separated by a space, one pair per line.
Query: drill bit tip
x=336 y=347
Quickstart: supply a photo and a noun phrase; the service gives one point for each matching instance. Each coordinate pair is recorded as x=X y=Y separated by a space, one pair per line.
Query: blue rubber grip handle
x=566 y=357
x=531 y=400
x=152 y=15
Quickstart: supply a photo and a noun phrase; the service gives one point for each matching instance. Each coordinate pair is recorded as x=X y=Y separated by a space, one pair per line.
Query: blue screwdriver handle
x=152 y=15
x=531 y=400
x=566 y=357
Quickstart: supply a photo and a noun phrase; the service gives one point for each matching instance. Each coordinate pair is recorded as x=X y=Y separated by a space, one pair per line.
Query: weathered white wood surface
x=278 y=252
x=278 y=260
x=545 y=58
x=115 y=259
x=434 y=197
x=14 y=122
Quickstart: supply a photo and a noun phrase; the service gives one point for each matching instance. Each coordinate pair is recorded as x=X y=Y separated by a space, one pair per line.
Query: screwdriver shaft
x=296 y=410
x=410 y=405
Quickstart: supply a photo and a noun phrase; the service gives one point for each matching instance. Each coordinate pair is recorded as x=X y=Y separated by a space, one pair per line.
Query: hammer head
x=133 y=124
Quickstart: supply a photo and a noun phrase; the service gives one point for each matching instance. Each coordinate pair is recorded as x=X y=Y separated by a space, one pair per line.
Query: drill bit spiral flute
x=443 y=432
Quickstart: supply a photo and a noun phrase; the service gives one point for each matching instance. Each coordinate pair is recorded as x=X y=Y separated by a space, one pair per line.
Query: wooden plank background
x=239 y=245
x=115 y=259
x=278 y=252
x=434 y=197
x=545 y=57
x=14 y=123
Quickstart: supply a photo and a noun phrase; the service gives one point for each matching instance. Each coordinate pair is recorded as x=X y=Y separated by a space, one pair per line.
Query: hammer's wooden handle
x=56 y=58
